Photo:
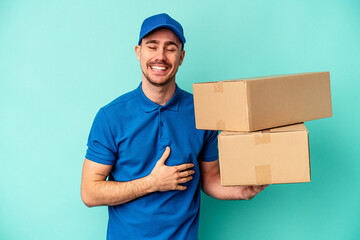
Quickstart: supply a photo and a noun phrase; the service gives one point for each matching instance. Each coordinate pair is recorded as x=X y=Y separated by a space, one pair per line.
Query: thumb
x=165 y=155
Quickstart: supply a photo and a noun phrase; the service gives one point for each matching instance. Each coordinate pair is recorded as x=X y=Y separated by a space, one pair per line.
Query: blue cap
x=161 y=21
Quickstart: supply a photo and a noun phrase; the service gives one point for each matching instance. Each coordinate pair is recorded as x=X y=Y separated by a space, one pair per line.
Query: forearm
x=100 y=193
x=96 y=191
x=212 y=187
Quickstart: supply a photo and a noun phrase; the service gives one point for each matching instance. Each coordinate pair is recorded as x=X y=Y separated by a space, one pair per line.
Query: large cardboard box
x=252 y=104
x=279 y=155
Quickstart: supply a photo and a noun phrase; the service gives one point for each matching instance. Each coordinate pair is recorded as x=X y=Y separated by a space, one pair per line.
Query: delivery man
x=146 y=144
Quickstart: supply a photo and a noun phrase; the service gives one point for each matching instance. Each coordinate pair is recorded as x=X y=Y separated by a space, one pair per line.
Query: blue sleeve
x=209 y=151
x=101 y=143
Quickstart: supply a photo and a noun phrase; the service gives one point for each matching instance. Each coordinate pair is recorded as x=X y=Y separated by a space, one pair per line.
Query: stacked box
x=278 y=155
x=252 y=104
x=243 y=108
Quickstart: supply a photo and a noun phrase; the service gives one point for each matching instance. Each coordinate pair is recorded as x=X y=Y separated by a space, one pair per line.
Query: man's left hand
x=248 y=192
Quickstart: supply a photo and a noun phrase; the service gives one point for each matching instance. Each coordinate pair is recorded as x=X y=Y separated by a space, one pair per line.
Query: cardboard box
x=279 y=155
x=252 y=104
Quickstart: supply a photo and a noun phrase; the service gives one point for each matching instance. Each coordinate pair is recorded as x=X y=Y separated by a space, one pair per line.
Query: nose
x=160 y=54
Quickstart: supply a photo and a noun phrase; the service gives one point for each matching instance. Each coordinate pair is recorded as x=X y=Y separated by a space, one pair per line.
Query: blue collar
x=148 y=106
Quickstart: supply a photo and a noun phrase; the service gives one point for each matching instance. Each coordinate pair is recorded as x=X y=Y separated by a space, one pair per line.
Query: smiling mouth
x=157 y=68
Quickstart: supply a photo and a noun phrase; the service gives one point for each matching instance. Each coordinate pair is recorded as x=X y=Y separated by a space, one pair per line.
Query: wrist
x=151 y=183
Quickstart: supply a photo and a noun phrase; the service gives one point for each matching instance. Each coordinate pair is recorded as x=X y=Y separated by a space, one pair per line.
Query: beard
x=153 y=82
x=162 y=84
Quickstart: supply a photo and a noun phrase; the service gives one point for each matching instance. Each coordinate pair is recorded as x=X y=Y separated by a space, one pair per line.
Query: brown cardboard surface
x=230 y=94
x=252 y=104
x=280 y=155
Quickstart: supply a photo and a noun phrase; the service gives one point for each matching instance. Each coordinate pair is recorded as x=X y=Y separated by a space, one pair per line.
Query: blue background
x=60 y=61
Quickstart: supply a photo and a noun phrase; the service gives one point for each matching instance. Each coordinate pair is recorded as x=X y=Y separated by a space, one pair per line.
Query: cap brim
x=174 y=30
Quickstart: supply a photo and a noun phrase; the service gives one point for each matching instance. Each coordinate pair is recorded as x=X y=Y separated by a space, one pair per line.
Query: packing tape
x=218 y=87
x=220 y=125
x=262 y=138
x=263 y=174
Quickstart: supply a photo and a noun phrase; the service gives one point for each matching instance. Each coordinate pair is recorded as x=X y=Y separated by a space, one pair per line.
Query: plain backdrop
x=61 y=60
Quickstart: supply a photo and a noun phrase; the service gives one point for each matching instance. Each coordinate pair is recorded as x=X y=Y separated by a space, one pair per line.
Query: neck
x=158 y=94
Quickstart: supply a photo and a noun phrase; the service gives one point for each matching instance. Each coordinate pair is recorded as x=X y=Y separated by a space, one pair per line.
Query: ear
x=182 y=55
x=137 y=51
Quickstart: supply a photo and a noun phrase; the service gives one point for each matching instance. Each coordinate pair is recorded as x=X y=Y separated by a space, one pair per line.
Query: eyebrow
x=166 y=43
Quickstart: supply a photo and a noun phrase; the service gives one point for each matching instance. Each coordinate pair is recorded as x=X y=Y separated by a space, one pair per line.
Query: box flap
x=288 y=128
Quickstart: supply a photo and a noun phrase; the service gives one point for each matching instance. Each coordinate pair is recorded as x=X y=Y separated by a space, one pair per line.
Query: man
x=146 y=142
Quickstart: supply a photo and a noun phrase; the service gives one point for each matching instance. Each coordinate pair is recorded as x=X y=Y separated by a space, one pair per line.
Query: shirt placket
x=164 y=138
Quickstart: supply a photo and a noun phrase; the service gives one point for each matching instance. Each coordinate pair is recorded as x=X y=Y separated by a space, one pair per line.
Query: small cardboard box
x=278 y=155
x=252 y=104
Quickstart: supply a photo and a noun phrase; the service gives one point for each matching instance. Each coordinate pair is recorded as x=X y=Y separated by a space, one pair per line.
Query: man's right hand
x=165 y=178
x=96 y=191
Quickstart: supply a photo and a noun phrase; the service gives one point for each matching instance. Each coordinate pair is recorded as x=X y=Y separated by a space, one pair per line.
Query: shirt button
x=161 y=124
x=162 y=109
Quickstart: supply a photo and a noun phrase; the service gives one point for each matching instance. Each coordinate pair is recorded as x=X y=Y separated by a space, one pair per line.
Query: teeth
x=158 y=68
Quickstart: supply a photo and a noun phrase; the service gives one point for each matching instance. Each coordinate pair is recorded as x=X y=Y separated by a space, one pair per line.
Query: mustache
x=162 y=62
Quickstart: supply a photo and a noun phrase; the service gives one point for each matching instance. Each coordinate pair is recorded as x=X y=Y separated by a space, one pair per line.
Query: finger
x=248 y=192
x=254 y=190
x=251 y=190
x=257 y=188
x=186 y=179
x=185 y=166
x=186 y=173
x=181 y=188
x=263 y=187
x=165 y=155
